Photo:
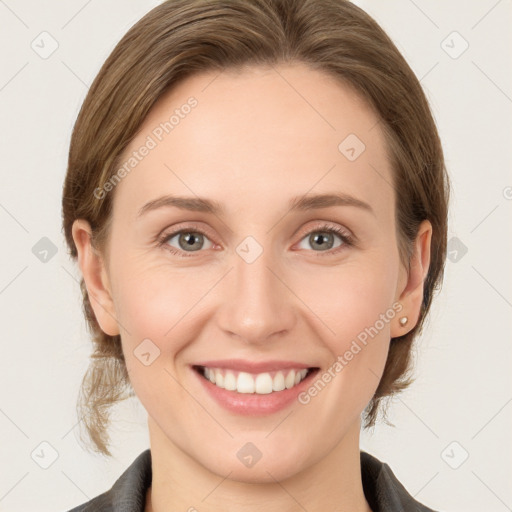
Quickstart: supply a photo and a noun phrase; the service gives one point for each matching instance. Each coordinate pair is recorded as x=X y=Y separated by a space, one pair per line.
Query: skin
x=256 y=139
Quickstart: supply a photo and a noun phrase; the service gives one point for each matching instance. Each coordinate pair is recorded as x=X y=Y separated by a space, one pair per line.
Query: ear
x=411 y=285
x=96 y=278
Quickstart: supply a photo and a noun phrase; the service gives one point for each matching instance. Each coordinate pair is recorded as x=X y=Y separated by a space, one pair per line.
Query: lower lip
x=254 y=404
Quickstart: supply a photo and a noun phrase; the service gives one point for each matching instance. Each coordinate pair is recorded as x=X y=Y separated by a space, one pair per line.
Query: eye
x=323 y=238
x=188 y=241
x=193 y=240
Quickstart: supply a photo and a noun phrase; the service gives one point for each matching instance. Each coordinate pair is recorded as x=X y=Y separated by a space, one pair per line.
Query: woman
x=257 y=199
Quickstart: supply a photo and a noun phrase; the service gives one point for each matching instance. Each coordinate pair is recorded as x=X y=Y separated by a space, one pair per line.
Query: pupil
x=319 y=239
x=190 y=239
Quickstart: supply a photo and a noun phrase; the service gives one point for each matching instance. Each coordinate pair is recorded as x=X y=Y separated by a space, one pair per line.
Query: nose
x=257 y=303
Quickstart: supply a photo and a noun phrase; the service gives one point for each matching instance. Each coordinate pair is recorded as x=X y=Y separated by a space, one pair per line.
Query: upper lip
x=252 y=366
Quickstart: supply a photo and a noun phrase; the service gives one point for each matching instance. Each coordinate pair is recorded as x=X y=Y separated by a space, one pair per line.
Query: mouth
x=263 y=383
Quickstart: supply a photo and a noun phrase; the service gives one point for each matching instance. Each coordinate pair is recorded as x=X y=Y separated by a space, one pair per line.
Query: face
x=269 y=281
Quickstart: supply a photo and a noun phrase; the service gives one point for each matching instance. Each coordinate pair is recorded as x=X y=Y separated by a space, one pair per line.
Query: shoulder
x=102 y=503
x=383 y=490
x=128 y=494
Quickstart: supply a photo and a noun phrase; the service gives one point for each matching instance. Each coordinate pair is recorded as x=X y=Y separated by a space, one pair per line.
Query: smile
x=260 y=383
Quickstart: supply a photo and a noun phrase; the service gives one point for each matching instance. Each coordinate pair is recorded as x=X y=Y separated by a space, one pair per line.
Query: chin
x=259 y=462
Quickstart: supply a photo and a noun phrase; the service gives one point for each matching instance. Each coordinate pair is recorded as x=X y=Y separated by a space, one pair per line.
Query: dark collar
x=382 y=489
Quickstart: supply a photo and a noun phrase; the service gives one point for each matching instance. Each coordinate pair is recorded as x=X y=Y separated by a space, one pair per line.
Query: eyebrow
x=300 y=203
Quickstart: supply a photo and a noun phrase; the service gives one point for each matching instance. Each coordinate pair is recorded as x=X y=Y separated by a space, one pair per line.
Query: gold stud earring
x=403 y=321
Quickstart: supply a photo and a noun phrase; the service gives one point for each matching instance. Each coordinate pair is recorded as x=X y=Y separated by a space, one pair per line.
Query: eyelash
x=347 y=239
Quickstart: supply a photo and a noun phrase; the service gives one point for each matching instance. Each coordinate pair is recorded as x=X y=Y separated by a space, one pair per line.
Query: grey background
x=460 y=405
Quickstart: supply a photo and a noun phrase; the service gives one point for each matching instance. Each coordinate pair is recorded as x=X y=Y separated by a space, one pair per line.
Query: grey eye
x=321 y=240
x=189 y=241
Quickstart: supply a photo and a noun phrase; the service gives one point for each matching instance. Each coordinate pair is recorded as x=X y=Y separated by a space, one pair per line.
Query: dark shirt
x=382 y=489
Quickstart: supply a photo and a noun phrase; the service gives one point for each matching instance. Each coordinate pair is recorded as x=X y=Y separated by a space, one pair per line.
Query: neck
x=180 y=482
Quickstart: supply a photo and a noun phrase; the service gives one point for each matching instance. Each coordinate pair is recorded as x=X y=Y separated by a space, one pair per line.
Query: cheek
x=156 y=301
x=354 y=311
x=161 y=311
x=351 y=298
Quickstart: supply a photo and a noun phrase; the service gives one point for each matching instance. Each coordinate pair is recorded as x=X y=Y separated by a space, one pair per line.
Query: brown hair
x=183 y=37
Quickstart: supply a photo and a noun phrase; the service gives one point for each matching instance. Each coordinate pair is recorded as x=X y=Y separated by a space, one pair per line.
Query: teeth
x=262 y=383
x=245 y=383
x=290 y=380
x=219 y=378
x=278 y=383
x=230 y=381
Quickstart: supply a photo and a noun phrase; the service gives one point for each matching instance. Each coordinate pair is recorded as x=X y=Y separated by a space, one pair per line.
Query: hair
x=180 y=38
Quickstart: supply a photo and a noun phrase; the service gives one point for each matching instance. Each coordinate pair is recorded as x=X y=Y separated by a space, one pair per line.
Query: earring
x=403 y=321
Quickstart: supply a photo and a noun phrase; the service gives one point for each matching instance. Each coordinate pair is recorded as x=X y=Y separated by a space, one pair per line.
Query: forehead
x=258 y=134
